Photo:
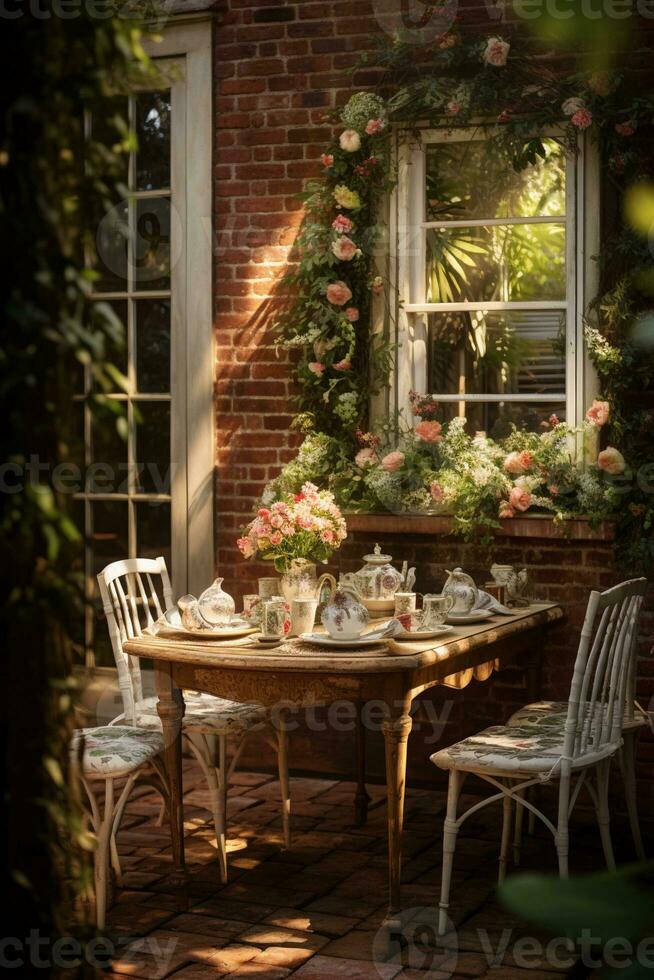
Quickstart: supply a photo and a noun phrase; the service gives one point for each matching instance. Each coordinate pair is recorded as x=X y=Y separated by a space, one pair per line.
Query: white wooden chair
x=543 y=714
x=105 y=755
x=131 y=604
x=576 y=752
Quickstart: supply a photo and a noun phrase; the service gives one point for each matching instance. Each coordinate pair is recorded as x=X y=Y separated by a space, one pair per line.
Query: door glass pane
x=108 y=532
x=111 y=316
x=497 y=418
x=153 y=447
x=109 y=125
x=500 y=264
x=152 y=243
x=153 y=531
x=153 y=345
x=111 y=250
x=454 y=190
x=108 y=471
x=512 y=352
x=153 y=135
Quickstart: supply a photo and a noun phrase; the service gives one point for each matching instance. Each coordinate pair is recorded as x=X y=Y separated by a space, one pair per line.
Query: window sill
x=532 y=526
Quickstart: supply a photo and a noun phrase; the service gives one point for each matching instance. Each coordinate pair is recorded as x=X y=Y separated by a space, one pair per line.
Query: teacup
x=303 y=615
x=268 y=587
x=435 y=610
x=252 y=607
x=405 y=602
x=275 y=618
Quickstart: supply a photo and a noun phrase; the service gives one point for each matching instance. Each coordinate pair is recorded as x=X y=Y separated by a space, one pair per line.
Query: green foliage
x=611 y=907
x=54 y=188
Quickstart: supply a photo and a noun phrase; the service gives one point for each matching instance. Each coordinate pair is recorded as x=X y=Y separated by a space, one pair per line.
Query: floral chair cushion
x=546 y=713
x=115 y=750
x=508 y=749
x=205 y=713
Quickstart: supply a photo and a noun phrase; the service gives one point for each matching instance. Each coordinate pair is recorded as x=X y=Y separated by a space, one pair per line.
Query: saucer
x=324 y=640
x=477 y=616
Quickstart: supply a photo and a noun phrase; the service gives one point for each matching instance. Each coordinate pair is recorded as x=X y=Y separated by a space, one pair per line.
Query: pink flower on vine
x=343 y=365
x=582 y=118
x=625 y=129
x=342 y=224
x=352 y=313
x=327 y=159
x=374 y=126
x=316 y=367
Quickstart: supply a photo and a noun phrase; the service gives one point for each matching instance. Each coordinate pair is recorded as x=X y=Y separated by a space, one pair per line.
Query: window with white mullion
x=487 y=278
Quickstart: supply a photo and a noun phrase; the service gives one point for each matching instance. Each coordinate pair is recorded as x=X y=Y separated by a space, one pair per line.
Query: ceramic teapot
x=463 y=590
x=215 y=605
x=344 y=617
x=377 y=579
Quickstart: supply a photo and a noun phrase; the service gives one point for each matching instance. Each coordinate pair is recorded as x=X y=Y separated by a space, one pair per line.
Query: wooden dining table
x=296 y=676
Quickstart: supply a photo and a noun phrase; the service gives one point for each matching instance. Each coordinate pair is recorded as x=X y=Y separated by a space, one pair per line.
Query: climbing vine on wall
x=487 y=82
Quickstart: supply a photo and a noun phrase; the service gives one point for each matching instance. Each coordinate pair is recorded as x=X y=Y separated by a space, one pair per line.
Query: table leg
x=361 y=798
x=396 y=733
x=170 y=708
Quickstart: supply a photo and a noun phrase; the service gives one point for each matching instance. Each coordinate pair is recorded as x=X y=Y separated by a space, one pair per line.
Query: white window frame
x=408 y=327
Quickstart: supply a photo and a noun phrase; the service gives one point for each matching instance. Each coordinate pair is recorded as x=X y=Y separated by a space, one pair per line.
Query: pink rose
x=514 y=463
x=554 y=490
x=392 y=461
x=582 y=119
x=453 y=108
x=276 y=537
x=343 y=365
x=374 y=126
x=344 y=248
x=437 y=492
x=327 y=536
x=327 y=159
x=350 y=141
x=506 y=510
x=287 y=530
x=611 y=461
x=352 y=314
x=625 y=129
x=245 y=547
x=316 y=367
x=526 y=459
x=554 y=420
x=264 y=513
x=342 y=224
x=428 y=431
x=339 y=293
x=276 y=521
x=496 y=52
x=365 y=457
x=519 y=499
x=598 y=413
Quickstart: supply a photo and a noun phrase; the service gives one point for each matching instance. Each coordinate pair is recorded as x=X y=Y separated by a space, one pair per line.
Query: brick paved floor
x=313 y=912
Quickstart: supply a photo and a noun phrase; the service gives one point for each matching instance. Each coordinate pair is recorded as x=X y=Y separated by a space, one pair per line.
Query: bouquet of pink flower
x=306 y=525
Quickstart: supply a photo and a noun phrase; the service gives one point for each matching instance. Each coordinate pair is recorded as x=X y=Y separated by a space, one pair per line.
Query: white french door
x=148 y=447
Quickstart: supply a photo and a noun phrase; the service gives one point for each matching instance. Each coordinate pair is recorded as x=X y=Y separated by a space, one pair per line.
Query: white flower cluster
x=346 y=407
x=361 y=108
x=301 y=339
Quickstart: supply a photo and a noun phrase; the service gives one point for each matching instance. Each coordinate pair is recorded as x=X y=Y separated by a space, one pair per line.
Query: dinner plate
x=422 y=634
x=321 y=639
x=237 y=627
x=479 y=616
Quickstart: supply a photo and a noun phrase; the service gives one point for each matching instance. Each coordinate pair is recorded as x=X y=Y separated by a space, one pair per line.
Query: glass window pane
x=109 y=538
x=516 y=352
x=497 y=418
x=108 y=470
x=153 y=531
x=153 y=135
x=111 y=251
x=153 y=447
x=109 y=125
x=454 y=190
x=153 y=345
x=111 y=317
x=501 y=264
x=152 y=244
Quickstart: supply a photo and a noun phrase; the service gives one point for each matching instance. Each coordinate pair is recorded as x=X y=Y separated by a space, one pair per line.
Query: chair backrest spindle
x=124 y=595
x=603 y=680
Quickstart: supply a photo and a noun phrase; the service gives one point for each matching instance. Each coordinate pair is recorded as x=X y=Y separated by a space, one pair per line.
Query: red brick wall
x=278 y=67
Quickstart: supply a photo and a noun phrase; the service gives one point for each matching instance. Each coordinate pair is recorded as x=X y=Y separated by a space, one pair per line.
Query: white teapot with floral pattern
x=463 y=590
x=377 y=579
